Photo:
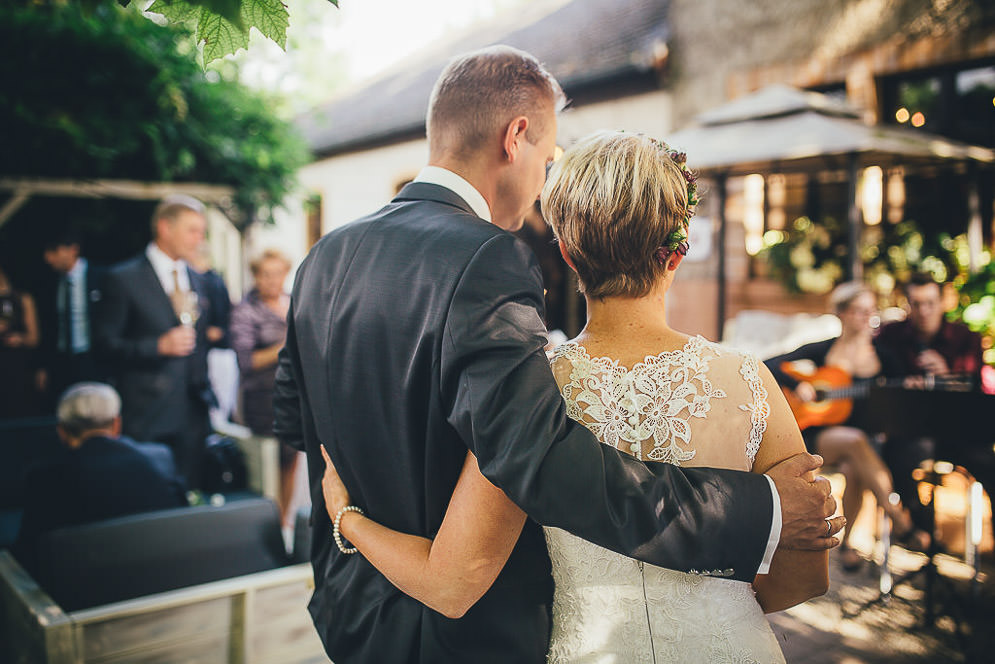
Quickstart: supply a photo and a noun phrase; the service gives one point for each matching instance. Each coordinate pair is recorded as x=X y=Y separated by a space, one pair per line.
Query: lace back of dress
x=670 y=407
x=700 y=405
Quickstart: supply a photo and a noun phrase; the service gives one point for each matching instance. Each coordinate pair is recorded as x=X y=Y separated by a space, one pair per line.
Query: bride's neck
x=628 y=317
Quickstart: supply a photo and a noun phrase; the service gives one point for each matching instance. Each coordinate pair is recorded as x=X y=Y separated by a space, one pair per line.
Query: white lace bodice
x=649 y=411
x=699 y=405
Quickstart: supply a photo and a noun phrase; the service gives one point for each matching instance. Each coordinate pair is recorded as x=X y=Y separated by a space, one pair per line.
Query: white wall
x=288 y=233
x=354 y=184
x=224 y=244
x=650 y=113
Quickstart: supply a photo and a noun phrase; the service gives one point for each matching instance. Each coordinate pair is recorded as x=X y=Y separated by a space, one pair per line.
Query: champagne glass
x=190 y=312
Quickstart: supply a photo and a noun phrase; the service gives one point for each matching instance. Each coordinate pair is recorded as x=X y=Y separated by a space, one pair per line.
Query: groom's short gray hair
x=479 y=92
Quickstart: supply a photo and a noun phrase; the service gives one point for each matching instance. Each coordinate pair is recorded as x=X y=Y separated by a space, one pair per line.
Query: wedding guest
x=933 y=352
x=151 y=331
x=218 y=301
x=19 y=337
x=67 y=341
x=926 y=343
x=103 y=475
x=845 y=445
x=258 y=332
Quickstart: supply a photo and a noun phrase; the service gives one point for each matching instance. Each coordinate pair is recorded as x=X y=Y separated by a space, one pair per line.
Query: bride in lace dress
x=620 y=205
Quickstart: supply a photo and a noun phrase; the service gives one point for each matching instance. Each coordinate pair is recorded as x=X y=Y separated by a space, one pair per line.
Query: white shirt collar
x=456 y=184
x=164 y=266
x=79 y=267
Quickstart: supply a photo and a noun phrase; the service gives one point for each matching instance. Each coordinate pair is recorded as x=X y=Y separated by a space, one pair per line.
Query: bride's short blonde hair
x=613 y=199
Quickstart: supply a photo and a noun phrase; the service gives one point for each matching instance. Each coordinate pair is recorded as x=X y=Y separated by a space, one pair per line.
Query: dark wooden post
x=720 y=185
x=855 y=221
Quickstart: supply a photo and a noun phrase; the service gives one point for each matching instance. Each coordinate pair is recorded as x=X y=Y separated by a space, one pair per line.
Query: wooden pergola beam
x=24 y=188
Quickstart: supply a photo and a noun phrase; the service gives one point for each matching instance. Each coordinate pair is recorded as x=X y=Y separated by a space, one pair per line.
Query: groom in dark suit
x=151 y=331
x=416 y=333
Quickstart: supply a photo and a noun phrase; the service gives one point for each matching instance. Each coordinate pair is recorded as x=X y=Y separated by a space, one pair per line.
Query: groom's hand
x=806 y=504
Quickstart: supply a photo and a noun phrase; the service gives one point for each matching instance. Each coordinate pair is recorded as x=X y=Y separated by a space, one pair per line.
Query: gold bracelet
x=336 y=531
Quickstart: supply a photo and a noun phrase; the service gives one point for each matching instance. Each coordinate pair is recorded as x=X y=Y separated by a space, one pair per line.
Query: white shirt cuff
x=775 y=530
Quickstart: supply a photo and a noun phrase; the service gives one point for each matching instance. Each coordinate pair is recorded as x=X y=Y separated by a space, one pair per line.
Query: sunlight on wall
x=753 y=212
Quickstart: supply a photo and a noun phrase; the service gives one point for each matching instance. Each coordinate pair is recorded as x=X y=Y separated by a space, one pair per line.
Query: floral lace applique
x=760 y=408
x=654 y=400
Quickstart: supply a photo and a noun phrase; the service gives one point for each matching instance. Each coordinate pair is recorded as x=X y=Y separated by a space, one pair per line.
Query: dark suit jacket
x=159 y=394
x=415 y=334
x=219 y=306
x=103 y=479
x=66 y=368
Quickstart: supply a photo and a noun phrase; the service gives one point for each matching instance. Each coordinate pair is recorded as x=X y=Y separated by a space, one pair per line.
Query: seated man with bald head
x=102 y=476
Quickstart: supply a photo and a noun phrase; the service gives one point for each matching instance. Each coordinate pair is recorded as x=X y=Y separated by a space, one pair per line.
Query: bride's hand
x=336 y=495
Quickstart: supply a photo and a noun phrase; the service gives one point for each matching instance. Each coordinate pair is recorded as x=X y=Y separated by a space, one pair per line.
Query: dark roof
x=582 y=43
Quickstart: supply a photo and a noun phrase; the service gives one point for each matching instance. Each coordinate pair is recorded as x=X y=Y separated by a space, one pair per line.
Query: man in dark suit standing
x=67 y=317
x=416 y=333
x=151 y=331
x=103 y=475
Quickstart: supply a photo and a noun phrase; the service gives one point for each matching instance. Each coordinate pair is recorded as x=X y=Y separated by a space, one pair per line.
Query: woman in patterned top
x=18 y=339
x=258 y=331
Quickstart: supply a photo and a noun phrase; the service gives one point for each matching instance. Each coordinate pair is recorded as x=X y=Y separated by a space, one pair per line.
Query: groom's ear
x=514 y=134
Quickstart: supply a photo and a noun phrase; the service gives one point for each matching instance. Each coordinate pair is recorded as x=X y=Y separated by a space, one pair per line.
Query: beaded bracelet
x=337 y=533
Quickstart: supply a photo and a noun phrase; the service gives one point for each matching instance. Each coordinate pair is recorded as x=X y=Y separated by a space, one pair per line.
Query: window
x=954 y=102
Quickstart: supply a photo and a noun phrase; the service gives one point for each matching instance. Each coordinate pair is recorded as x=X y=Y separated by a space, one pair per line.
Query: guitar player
x=831 y=431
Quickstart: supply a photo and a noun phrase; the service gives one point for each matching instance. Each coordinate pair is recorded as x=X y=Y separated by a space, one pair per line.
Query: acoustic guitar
x=835 y=392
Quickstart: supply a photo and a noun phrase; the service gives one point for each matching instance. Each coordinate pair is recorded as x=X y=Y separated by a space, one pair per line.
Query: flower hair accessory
x=677 y=240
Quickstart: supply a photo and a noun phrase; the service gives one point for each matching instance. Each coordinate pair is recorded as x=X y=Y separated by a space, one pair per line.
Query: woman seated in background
x=18 y=339
x=856 y=352
x=258 y=331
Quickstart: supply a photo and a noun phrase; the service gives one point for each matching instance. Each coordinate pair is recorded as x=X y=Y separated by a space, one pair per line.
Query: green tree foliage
x=111 y=94
x=222 y=26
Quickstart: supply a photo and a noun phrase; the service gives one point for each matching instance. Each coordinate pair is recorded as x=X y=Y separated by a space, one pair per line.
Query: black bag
x=224 y=466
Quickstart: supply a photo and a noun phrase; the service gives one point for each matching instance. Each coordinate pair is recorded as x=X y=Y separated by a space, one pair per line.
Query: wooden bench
x=195 y=584
x=259 y=617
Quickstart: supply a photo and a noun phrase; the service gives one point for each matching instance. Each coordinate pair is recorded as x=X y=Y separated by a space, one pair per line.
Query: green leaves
x=270 y=17
x=221 y=37
x=222 y=26
x=112 y=94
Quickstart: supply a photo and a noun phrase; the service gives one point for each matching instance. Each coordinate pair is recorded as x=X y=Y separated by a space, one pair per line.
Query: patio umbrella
x=794 y=130
x=781 y=129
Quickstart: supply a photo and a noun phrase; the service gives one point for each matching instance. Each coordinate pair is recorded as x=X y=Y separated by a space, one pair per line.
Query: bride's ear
x=563 y=252
x=674 y=260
